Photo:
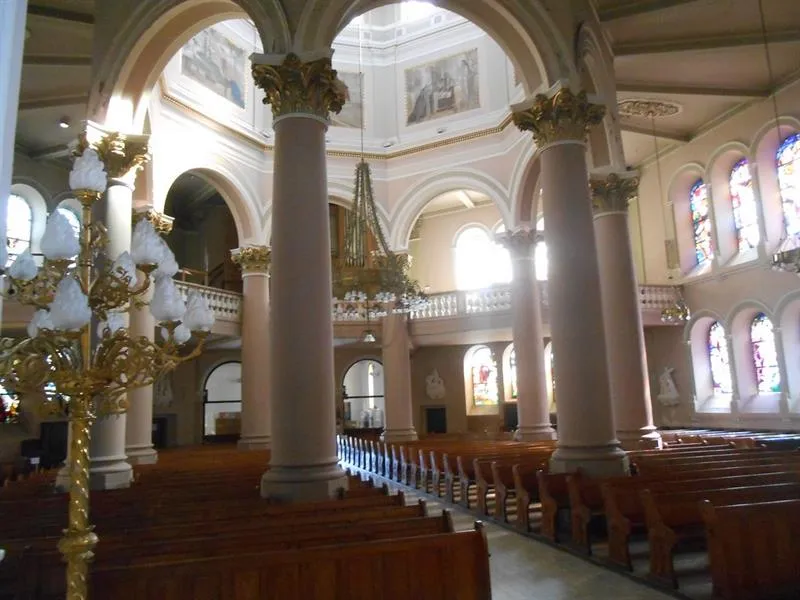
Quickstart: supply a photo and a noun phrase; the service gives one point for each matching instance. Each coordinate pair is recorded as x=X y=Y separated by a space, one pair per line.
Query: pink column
x=627 y=360
x=303 y=464
x=139 y=422
x=397 y=377
x=586 y=438
x=254 y=261
x=533 y=407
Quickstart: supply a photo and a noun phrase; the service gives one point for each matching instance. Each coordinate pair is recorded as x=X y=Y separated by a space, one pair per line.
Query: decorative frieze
x=252 y=259
x=560 y=117
x=612 y=193
x=294 y=86
x=161 y=223
x=122 y=154
x=520 y=242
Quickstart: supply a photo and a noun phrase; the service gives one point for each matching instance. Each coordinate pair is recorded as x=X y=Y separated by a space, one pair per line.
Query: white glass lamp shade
x=181 y=334
x=114 y=322
x=167 y=266
x=40 y=320
x=167 y=303
x=59 y=241
x=146 y=244
x=88 y=173
x=24 y=267
x=125 y=267
x=69 y=310
x=198 y=317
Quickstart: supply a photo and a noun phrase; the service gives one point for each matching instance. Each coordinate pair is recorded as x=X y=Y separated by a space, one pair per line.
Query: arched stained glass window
x=745 y=213
x=701 y=223
x=787 y=158
x=483 y=374
x=719 y=359
x=73 y=219
x=512 y=372
x=18 y=226
x=765 y=355
x=9 y=406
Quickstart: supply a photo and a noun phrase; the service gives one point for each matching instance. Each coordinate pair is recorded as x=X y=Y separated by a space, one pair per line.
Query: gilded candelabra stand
x=78 y=340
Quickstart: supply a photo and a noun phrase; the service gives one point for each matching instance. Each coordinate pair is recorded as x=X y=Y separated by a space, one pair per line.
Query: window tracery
x=19 y=222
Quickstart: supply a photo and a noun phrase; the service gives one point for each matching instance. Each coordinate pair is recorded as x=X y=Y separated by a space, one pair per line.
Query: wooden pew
x=554 y=496
x=754 y=549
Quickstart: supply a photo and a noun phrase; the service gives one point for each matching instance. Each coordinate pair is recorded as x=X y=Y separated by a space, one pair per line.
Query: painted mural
x=216 y=63
x=350 y=115
x=444 y=87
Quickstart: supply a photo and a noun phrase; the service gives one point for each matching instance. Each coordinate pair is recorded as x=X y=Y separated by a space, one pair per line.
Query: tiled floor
x=525 y=569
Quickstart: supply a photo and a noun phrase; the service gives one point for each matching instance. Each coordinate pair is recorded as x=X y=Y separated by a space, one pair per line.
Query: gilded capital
x=122 y=154
x=295 y=86
x=520 y=242
x=252 y=259
x=612 y=193
x=562 y=116
x=161 y=223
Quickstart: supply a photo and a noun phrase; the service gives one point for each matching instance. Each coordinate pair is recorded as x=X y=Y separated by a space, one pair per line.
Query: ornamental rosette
x=564 y=116
x=295 y=86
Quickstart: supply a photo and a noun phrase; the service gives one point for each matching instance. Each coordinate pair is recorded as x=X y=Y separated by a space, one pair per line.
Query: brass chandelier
x=78 y=339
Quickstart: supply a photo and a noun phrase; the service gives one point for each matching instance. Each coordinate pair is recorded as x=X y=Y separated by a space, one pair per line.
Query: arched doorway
x=222 y=403
x=203 y=233
x=364 y=403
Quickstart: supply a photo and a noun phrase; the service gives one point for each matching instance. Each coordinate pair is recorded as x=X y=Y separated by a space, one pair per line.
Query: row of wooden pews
x=735 y=497
x=194 y=526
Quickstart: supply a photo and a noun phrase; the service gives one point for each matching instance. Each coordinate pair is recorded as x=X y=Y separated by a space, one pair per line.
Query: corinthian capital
x=558 y=117
x=294 y=86
x=252 y=259
x=613 y=192
x=122 y=154
x=161 y=223
x=520 y=242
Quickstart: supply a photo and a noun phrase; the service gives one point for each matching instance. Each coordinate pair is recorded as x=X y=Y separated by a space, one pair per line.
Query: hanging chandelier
x=677 y=312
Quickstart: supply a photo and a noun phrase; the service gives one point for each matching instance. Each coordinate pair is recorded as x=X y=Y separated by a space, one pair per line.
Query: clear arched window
x=701 y=223
x=719 y=360
x=480 y=261
x=540 y=255
x=512 y=372
x=18 y=226
x=743 y=200
x=483 y=376
x=765 y=355
x=788 y=160
x=73 y=219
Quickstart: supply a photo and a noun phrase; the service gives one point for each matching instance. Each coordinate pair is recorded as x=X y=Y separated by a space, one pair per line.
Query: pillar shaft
x=256 y=425
x=397 y=378
x=303 y=463
x=586 y=437
x=533 y=407
x=627 y=361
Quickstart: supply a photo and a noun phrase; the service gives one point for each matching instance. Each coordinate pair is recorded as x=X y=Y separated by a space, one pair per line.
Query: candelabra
x=78 y=339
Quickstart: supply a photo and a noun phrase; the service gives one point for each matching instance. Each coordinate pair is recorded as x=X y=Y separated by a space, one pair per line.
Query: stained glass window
x=483 y=372
x=701 y=223
x=789 y=181
x=512 y=372
x=18 y=226
x=765 y=356
x=719 y=359
x=745 y=215
x=9 y=406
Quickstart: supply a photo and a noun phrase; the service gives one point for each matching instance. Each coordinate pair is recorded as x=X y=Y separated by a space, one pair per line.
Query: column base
x=142 y=455
x=103 y=475
x=303 y=483
x=254 y=442
x=399 y=435
x=535 y=433
x=596 y=461
x=640 y=439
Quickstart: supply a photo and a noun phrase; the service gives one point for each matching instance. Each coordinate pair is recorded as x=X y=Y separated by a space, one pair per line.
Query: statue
x=667 y=392
x=162 y=391
x=434 y=386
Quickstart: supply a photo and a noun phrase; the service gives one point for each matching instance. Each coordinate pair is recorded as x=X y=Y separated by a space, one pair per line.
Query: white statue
x=162 y=391
x=434 y=386
x=667 y=392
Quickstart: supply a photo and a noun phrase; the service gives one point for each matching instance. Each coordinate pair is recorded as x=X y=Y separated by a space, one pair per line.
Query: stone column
x=139 y=418
x=560 y=122
x=622 y=318
x=396 y=343
x=254 y=262
x=533 y=407
x=303 y=463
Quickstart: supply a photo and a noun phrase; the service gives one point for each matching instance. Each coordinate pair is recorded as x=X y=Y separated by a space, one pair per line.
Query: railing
x=227 y=306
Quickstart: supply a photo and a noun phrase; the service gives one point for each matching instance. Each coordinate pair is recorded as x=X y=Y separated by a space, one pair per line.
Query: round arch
x=365 y=402
x=525 y=30
x=34 y=195
x=410 y=205
x=524 y=187
x=696 y=338
x=678 y=200
x=222 y=399
x=151 y=35
x=787 y=319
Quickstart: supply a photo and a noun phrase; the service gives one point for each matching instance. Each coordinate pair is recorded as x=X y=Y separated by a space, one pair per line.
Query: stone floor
x=525 y=569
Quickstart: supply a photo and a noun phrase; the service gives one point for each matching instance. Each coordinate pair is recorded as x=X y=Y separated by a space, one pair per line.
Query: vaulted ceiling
x=700 y=60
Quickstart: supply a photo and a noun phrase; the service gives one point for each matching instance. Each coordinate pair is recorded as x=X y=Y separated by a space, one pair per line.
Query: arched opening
x=203 y=233
x=222 y=403
x=480 y=262
x=364 y=403
x=481 y=381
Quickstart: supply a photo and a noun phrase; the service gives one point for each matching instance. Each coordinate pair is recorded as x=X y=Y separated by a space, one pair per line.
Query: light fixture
x=677 y=313
x=64 y=122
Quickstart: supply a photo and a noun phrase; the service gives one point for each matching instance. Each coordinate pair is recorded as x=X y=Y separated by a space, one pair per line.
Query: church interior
x=374 y=299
